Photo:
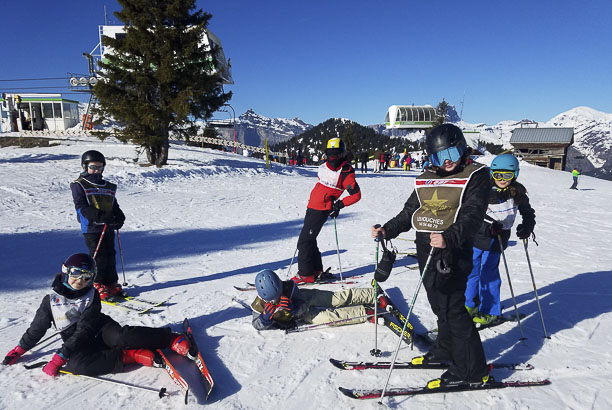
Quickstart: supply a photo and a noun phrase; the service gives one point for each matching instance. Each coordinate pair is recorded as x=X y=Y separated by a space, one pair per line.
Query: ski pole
x=300 y=329
x=121 y=257
x=376 y=351
x=291 y=264
x=535 y=290
x=338 y=250
x=99 y=241
x=511 y=290
x=416 y=292
x=161 y=392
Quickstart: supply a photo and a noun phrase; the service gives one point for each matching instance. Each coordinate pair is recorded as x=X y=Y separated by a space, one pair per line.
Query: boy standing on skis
x=506 y=197
x=335 y=176
x=446 y=208
x=280 y=304
x=99 y=215
x=92 y=342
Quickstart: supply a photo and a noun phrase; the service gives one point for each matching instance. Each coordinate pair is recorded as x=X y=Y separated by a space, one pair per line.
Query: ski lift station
x=210 y=41
x=410 y=116
x=37 y=112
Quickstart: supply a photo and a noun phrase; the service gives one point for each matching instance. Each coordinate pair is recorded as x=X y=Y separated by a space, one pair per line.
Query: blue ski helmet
x=268 y=284
x=505 y=162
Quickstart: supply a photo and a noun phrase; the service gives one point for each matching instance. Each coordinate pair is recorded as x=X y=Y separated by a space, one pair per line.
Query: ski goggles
x=453 y=154
x=95 y=167
x=503 y=176
x=78 y=273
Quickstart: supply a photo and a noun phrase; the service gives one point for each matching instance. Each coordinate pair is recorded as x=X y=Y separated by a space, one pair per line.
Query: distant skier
x=575 y=175
x=507 y=196
x=96 y=207
x=446 y=208
x=92 y=342
x=335 y=176
x=364 y=157
x=281 y=304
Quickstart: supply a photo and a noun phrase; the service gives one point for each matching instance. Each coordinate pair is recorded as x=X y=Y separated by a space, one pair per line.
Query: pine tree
x=160 y=77
x=441 y=113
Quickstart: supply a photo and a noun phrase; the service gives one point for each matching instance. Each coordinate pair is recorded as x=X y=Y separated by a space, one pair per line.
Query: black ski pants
x=458 y=340
x=364 y=166
x=105 y=353
x=105 y=259
x=309 y=256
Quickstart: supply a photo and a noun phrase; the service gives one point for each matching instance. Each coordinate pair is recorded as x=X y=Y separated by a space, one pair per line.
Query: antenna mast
x=105 y=16
x=461 y=113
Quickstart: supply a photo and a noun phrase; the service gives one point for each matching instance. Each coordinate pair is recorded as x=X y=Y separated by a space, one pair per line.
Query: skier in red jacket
x=335 y=176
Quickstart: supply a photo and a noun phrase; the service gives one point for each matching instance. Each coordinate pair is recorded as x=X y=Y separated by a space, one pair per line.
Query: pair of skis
x=132 y=304
x=194 y=355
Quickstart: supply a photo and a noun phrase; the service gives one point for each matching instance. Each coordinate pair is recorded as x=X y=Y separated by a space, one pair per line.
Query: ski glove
x=285 y=304
x=335 y=209
x=268 y=312
x=13 y=355
x=522 y=231
x=383 y=269
x=496 y=228
x=53 y=367
x=107 y=218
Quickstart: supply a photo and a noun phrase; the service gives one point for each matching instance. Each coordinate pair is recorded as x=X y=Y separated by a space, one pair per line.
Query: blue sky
x=321 y=59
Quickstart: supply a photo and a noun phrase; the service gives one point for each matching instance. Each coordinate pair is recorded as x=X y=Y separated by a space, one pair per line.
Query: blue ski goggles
x=453 y=154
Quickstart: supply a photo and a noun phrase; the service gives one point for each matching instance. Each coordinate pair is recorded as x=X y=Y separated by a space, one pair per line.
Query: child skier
x=446 y=208
x=335 y=176
x=93 y=343
x=99 y=215
x=280 y=304
x=507 y=196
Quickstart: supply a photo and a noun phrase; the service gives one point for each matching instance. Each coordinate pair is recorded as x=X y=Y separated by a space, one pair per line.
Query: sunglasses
x=453 y=154
x=95 y=167
x=78 y=273
x=503 y=176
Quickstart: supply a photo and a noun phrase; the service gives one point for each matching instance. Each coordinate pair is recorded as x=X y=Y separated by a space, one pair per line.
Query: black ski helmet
x=92 y=156
x=268 y=284
x=443 y=137
x=79 y=260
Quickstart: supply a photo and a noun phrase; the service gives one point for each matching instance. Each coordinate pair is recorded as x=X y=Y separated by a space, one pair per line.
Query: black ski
x=431 y=388
x=346 y=365
x=196 y=356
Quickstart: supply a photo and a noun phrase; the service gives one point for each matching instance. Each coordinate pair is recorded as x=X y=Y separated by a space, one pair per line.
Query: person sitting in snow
x=280 y=304
x=92 y=342
x=335 y=176
x=507 y=196
x=99 y=215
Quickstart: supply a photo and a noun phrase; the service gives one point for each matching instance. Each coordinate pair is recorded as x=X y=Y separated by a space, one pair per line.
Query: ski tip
x=348 y=392
x=337 y=363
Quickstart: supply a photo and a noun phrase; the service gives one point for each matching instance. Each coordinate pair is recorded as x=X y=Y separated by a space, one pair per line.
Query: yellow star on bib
x=434 y=204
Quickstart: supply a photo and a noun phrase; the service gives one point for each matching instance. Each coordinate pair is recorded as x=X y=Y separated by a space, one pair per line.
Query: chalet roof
x=542 y=135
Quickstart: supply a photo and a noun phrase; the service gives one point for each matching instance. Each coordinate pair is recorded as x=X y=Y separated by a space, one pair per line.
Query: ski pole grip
x=379 y=237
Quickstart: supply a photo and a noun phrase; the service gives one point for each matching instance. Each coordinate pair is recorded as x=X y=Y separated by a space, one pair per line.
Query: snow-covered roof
x=542 y=135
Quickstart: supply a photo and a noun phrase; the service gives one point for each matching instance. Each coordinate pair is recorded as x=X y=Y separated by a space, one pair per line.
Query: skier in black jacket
x=98 y=211
x=446 y=208
x=93 y=343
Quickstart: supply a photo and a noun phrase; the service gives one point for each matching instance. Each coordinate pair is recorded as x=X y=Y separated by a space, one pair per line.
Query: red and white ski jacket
x=332 y=183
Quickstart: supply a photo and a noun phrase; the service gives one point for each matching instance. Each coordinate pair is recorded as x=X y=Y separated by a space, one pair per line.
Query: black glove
x=335 y=209
x=383 y=270
x=443 y=267
x=496 y=228
x=522 y=231
x=107 y=218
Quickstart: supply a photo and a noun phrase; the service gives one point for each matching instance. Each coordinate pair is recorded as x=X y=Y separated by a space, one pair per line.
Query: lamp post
x=233 y=123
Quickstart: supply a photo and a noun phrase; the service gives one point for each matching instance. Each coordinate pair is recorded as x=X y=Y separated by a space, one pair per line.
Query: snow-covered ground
x=210 y=220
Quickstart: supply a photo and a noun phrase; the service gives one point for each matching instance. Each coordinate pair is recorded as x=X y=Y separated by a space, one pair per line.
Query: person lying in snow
x=280 y=304
x=93 y=343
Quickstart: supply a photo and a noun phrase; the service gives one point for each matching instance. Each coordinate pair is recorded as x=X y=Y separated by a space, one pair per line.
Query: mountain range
x=591 y=151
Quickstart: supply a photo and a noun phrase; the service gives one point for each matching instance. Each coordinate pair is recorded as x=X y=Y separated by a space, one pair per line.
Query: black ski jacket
x=459 y=236
x=74 y=337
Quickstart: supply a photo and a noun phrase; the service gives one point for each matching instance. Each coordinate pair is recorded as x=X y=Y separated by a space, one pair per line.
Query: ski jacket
x=503 y=207
x=92 y=197
x=87 y=320
x=458 y=236
x=281 y=319
x=332 y=183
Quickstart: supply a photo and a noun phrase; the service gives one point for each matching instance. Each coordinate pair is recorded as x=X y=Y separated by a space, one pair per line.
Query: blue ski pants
x=484 y=282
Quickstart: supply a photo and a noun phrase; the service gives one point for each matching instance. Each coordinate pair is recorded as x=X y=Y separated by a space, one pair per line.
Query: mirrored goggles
x=96 y=167
x=78 y=273
x=503 y=176
x=453 y=154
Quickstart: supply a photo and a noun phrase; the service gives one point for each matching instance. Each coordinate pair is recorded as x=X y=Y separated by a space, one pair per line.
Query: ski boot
x=180 y=344
x=483 y=319
x=102 y=290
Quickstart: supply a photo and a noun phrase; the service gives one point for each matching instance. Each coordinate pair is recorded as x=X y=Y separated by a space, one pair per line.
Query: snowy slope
x=211 y=220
